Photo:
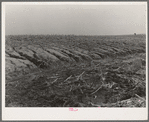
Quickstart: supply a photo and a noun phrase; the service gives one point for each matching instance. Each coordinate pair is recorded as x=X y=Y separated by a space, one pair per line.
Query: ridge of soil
x=73 y=71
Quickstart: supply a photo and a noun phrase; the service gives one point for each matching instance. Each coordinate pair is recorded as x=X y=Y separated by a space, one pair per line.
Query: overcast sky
x=75 y=19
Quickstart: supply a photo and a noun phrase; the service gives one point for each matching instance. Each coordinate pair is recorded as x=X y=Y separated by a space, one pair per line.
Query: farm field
x=75 y=71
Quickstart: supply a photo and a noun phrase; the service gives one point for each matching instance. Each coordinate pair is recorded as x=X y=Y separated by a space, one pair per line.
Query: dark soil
x=115 y=80
x=41 y=89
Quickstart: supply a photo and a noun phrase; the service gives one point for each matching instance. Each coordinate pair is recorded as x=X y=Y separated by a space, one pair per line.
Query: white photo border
x=57 y=113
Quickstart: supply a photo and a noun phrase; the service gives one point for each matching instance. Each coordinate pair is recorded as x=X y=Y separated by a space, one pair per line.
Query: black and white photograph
x=75 y=56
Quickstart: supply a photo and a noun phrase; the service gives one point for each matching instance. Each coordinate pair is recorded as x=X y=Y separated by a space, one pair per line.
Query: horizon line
x=70 y=34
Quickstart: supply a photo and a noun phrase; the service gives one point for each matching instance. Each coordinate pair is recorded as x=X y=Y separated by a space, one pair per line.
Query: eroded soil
x=75 y=71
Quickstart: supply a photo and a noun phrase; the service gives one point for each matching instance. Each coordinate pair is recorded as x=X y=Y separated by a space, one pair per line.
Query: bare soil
x=75 y=71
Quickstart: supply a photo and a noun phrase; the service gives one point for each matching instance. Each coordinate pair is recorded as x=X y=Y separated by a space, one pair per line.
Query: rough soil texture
x=75 y=71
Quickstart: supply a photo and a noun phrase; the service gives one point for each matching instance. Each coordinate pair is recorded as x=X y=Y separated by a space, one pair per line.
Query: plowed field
x=75 y=71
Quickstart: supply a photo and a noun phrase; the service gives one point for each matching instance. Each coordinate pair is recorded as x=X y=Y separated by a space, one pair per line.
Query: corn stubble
x=108 y=82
